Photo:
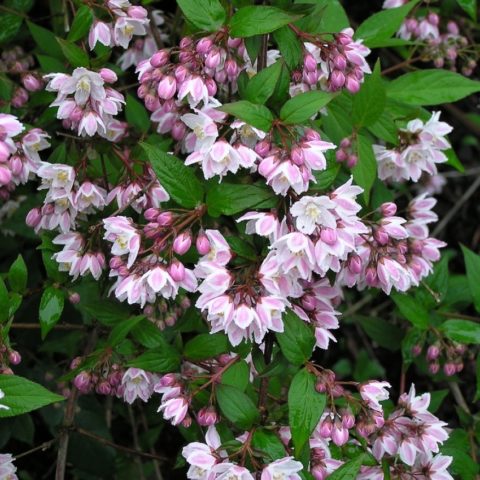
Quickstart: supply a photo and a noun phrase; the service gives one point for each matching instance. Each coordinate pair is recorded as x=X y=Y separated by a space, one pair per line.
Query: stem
x=122 y=448
x=458 y=315
x=136 y=443
x=68 y=419
x=401 y=65
x=43 y=446
x=262 y=54
x=262 y=396
x=27 y=326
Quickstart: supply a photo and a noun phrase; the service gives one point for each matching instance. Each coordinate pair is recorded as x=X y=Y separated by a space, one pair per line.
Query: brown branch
x=262 y=54
x=262 y=396
x=67 y=326
x=122 y=448
x=43 y=446
x=68 y=419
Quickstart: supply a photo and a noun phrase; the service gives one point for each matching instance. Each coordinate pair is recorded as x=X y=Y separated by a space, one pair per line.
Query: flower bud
x=34 y=217
x=182 y=243
x=434 y=368
x=326 y=428
x=108 y=76
x=14 y=357
x=207 y=416
x=31 y=82
x=433 y=352
x=74 y=298
x=167 y=87
x=83 y=382
x=449 y=369
x=176 y=270
x=202 y=244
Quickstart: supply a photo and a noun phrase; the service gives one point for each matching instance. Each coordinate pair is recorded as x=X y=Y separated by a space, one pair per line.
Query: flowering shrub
x=222 y=253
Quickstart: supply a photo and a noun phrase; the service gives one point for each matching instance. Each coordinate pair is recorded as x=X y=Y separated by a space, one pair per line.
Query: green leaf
x=4 y=302
x=122 y=329
x=462 y=331
x=431 y=87
x=369 y=102
x=382 y=25
x=305 y=407
x=268 y=443
x=453 y=160
x=177 y=179
x=237 y=375
x=241 y=248
x=208 y=15
x=17 y=275
x=75 y=55
x=458 y=446
x=257 y=116
x=22 y=396
x=237 y=406
x=477 y=374
x=290 y=46
x=259 y=19
x=162 y=360
x=148 y=335
x=9 y=26
x=81 y=24
x=349 y=470
x=51 y=308
x=232 y=198
x=205 y=346
x=302 y=107
x=297 y=340
x=45 y=40
x=413 y=311
x=470 y=6
x=382 y=332
x=136 y=114
x=472 y=264
x=328 y=16
x=365 y=171
x=262 y=85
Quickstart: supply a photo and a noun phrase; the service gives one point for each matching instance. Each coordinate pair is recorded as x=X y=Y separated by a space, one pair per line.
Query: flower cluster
x=397 y=252
x=128 y=20
x=85 y=104
x=332 y=65
x=7 y=468
x=421 y=147
x=19 y=157
x=18 y=65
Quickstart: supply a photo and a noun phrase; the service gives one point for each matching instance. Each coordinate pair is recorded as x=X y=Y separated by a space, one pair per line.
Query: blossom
x=374 y=392
x=286 y=468
x=227 y=471
x=7 y=468
x=137 y=384
x=124 y=237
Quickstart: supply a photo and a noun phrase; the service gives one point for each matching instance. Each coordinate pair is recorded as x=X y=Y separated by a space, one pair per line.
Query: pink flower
x=228 y=471
x=174 y=409
x=100 y=32
x=124 y=236
x=7 y=468
x=286 y=468
x=137 y=384
x=374 y=392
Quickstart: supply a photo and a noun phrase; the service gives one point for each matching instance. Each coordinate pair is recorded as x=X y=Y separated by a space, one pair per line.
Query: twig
x=156 y=464
x=122 y=448
x=262 y=396
x=43 y=446
x=136 y=443
x=458 y=315
x=68 y=418
x=461 y=117
x=459 y=398
x=455 y=208
x=398 y=66
x=155 y=31
x=67 y=326
x=262 y=54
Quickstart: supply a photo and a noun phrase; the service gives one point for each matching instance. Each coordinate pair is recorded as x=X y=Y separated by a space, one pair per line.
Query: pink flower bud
x=371 y=277
x=4 y=152
x=31 y=82
x=449 y=369
x=388 y=209
x=160 y=58
x=381 y=236
x=310 y=63
x=167 y=87
x=319 y=472
x=151 y=214
x=352 y=160
x=165 y=219
x=320 y=387
x=416 y=350
x=339 y=434
x=74 y=298
x=104 y=388
x=434 y=368
x=337 y=80
x=178 y=130
x=452 y=27
x=433 y=352
x=296 y=155
x=19 y=98
x=340 y=62
x=204 y=45
x=5 y=175
x=352 y=84
x=75 y=363
x=345 y=143
x=211 y=86
x=180 y=73
x=202 y=244
x=348 y=419
x=176 y=271
x=16 y=165
x=186 y=42
x=33 y=217
x=309 y=303
x=354 y=264
x=108 y=76
x=115 y=263
x=262 y=148
x=343 y=38
x=83 y=382
x=187 y=421
x=326 y=428
x=207 y=416
x=168 y=380
x=14 y=357
x=213 y=58
x=433 y=18
x=182 y=243
x=341 y=155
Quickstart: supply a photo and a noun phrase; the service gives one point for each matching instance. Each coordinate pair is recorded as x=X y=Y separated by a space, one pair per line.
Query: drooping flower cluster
x=331 y=65
x=446 y=47
x=128 y=20
x=19 y=66
x=397 y=252
x=421 y=148
x=85 y=104
x=19 y=156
